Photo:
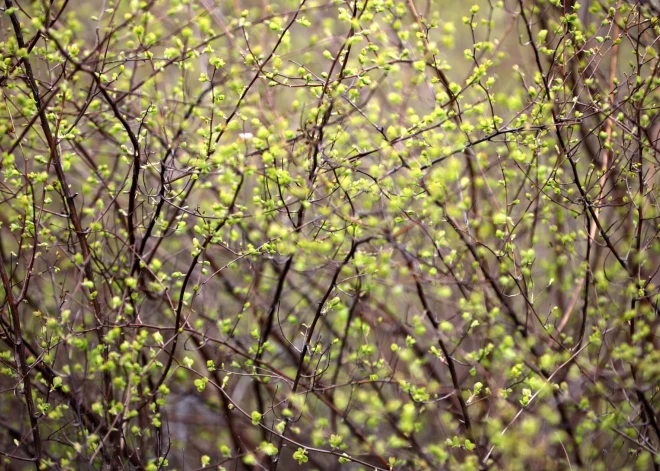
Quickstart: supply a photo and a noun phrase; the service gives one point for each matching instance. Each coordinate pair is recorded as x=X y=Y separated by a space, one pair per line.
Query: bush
x=318 y=235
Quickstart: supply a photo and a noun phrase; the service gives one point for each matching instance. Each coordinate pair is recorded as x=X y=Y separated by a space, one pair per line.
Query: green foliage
x=301 y=456
x=388 y=234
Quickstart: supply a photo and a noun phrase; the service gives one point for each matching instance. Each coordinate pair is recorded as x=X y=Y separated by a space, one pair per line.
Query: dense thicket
x=346 y=234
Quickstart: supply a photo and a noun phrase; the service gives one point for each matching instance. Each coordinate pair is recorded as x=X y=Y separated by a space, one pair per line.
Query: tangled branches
x=351 y=234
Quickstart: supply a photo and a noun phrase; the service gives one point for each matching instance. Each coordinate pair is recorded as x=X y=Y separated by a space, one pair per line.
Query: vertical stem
x=21 y=360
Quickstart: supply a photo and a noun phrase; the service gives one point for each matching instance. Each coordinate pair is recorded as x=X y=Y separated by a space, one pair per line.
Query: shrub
x=329 y=235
